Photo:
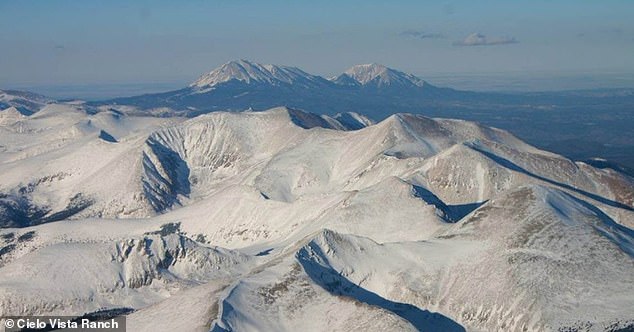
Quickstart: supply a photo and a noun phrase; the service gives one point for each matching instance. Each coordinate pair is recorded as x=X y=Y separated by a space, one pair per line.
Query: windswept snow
x=286 y=220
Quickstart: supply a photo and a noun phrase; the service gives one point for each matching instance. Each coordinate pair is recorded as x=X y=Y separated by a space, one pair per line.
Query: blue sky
x=52 y=42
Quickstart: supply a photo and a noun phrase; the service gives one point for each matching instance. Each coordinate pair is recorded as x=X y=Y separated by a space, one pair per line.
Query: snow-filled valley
x=285 y=220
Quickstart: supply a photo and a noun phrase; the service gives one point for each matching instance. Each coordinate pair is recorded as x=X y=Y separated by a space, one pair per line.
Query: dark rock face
x=19 y=211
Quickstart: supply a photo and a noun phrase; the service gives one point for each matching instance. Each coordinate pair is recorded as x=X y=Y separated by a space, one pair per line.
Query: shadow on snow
x=336 y=284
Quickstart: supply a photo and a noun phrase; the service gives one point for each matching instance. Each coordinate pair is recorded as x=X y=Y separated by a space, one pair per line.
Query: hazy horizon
x=482 y=82
x=65 y=43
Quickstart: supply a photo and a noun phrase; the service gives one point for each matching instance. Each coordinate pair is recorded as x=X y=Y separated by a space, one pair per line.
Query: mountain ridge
x=369 y=75
x=24 y=102
x=554 y=121
x=271 y=220
x=255 y=73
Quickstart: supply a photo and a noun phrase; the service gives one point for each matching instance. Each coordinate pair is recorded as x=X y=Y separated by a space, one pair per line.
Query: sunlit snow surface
x=288 y=221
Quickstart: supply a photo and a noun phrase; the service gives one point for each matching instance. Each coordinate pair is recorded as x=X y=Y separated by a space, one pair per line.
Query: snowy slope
x=286 y=220
x=26 y=103
x=377 y=76
x=10 y=116
x=255 y=73
x=61 y=161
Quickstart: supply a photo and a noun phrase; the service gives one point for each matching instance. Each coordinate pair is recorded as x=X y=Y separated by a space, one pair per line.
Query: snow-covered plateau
x=285 y=220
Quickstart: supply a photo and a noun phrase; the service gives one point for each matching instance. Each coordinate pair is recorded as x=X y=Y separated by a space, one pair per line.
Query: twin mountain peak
x=365 y=75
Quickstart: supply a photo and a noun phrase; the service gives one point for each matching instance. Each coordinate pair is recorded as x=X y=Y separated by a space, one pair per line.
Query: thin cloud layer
x=478 y=39
x=614 y=32
x=422 y=34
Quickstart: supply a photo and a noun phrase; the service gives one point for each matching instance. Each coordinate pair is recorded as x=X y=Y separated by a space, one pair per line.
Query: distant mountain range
x=372 y=89
x=287 y=220
x=367 y=76
x=24 y=102
x=239 y=85
x=557 y=121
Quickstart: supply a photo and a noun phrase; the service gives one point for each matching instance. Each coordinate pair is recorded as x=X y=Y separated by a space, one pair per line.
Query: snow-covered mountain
x=378 y=76
x=103 y=139
x=255 y=73
x=24 y=102
x=281 y=220
x=241 y=84
x=370 y=75
x=378 y=92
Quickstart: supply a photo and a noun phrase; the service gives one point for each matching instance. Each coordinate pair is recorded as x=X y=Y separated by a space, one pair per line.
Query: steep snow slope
x=62 y=161
x=510 y=249
x=282 y=220
x=117 y=269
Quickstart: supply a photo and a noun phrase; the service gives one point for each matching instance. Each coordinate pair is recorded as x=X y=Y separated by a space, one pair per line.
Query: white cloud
x=478 y=39
x=422 y=34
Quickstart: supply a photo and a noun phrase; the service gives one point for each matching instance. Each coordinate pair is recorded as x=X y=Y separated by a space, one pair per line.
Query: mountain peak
x=240 y=70
x=377 y=75
x=255 y=73
x=364 y=73
x=10 y=112
x=10 y=116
